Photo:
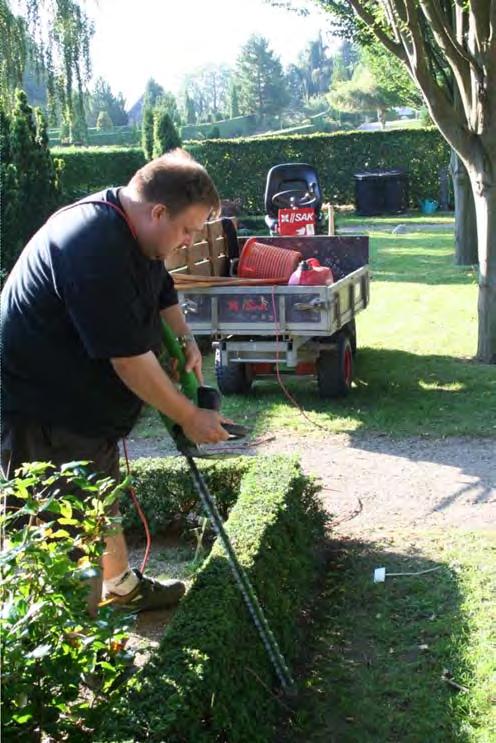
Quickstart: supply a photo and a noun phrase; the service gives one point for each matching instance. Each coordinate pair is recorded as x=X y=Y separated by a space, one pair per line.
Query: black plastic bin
x=381 y=192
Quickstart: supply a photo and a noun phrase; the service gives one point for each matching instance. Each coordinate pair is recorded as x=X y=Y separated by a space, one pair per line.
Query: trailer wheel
x=335 y=368
x=232 y=379
x=352 y=333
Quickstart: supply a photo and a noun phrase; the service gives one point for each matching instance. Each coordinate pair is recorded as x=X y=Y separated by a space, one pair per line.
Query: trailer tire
x=335 y=368
x=232 y=379
x=352 y=333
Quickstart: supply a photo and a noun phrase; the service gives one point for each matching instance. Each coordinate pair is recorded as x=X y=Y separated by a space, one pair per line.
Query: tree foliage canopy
x=55 y=36
x=260 y=77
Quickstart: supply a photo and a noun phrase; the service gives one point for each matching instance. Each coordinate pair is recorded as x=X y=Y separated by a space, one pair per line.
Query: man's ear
x=159 y=211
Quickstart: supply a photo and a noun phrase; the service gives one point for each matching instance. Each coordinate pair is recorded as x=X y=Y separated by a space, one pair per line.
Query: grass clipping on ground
x=411 y=659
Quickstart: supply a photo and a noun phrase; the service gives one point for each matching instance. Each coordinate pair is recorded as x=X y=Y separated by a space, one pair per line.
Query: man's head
x=169 y=199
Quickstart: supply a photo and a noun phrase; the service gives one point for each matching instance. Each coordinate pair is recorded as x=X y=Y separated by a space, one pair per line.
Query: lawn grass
x=411 y=217
x=374 y=669
x=414 y=370
x=348 y=218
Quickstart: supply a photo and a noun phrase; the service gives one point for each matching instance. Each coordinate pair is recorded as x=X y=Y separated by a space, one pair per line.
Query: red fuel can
x=311 y=273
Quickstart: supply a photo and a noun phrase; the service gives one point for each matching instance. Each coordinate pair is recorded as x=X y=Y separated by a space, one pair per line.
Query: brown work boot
x=149 y=594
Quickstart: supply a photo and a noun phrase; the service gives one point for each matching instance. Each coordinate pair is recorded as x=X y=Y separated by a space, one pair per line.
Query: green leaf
x=66 y=509
x=21 y=719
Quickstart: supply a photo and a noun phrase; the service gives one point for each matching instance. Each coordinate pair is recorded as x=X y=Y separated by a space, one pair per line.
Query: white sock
x=121 y=584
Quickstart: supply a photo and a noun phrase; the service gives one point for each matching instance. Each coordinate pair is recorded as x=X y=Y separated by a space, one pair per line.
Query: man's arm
x=146 y=378
x=175 y=319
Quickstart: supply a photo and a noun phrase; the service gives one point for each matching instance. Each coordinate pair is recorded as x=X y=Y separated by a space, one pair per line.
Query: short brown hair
x=177 y=181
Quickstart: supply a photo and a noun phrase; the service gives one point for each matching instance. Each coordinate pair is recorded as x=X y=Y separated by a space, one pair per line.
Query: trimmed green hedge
x=88 y=169
x=210 y=678
x=239 y=167
x=166 y=493
x=239 y=126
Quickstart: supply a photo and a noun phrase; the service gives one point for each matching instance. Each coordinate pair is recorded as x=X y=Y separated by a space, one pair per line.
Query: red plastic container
x=311 y=273
x=261 y=261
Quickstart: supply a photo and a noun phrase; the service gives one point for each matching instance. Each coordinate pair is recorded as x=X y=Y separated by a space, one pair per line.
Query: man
x=80 y=333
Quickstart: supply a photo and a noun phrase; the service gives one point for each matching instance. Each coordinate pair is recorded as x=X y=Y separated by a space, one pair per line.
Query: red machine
x=296 y=221
x=293 y=200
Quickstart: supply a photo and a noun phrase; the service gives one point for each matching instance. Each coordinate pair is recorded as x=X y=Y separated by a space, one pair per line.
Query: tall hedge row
x=88 y=169
x=239 y=167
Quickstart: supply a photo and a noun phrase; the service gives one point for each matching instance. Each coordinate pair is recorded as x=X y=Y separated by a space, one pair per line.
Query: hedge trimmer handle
x=202 y=396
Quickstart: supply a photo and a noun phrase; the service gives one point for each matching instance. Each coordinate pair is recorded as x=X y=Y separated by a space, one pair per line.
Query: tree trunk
x=465 y=222
x=485 y=210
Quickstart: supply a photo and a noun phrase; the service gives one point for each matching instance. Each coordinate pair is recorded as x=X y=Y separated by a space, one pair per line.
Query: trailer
x=261 y=331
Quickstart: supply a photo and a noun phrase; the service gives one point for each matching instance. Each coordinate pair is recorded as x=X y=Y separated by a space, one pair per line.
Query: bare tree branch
x=450 y=122
x=391 y=20
x=364 y=15
x=462 y=64
x=450 y=45
x=480 y=10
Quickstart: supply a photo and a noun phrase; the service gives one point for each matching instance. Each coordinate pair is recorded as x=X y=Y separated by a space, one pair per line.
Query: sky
x=164 y=39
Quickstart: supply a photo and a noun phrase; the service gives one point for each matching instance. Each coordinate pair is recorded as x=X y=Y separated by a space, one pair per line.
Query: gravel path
x=415 y=482
x=372 y=485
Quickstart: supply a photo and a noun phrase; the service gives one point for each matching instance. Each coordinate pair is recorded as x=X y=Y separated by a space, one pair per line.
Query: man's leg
x=115 y=558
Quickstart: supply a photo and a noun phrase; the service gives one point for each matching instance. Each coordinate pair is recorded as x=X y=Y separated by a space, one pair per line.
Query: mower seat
x=291 y=177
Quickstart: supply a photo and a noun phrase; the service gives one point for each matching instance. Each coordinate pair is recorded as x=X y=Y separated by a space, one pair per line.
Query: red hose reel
x=261 y=261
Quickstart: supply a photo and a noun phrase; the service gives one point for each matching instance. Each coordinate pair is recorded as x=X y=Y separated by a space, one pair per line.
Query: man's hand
x=205 y=427
x=194 y=359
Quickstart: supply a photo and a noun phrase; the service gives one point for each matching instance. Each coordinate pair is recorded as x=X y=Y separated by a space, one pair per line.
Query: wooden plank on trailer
x=217 y=244
x=198 y=251
x=207 y=249
x=181 y=270
x=220 y=265
x=204 y=268
x=178 y=257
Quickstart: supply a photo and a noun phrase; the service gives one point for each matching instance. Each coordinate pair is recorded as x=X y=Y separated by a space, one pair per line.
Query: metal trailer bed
x=302 y=329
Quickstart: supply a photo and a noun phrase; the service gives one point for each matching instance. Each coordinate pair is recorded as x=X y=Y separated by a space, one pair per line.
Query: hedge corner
x=210 y=679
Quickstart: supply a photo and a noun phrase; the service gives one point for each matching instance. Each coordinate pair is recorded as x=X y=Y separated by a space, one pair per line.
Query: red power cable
x=140 y=512
x=278 y=374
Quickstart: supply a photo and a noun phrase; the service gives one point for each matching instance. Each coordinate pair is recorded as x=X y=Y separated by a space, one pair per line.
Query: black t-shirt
x=81 y=293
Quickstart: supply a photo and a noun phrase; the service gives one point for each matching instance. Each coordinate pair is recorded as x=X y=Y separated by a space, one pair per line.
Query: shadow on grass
x=395 y=392
x=418 y=258
x=373 y=669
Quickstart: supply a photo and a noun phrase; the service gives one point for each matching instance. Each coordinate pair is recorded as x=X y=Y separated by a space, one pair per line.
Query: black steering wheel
x=295 y=197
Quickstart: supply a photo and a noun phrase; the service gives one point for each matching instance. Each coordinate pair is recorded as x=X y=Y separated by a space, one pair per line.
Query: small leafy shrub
x=165 y=134
x=29 y=176
x=167 y=495
x=50 y=645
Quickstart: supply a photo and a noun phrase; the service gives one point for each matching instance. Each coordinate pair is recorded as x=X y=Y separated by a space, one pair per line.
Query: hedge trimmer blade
x=244 y=584
x=200 y=451
x=209 y=398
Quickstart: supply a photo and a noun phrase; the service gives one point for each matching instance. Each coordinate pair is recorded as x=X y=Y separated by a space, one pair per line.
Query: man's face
x=165 y=233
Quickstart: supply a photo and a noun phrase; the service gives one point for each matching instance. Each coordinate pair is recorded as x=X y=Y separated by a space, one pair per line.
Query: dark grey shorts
x=35 y=442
